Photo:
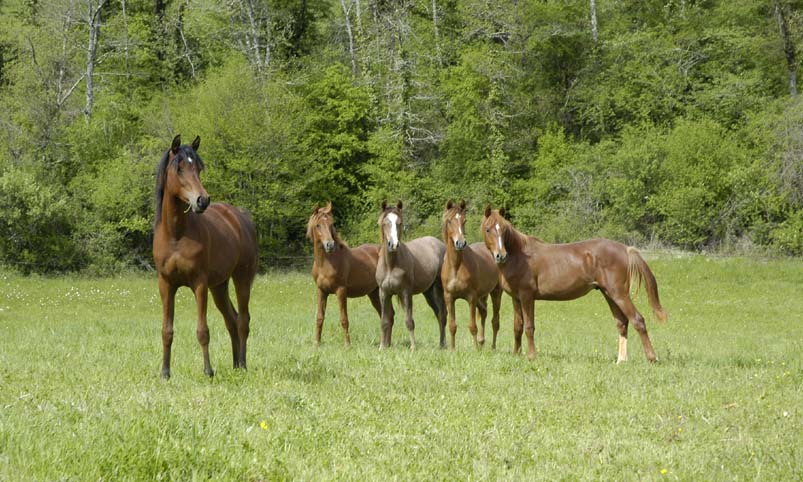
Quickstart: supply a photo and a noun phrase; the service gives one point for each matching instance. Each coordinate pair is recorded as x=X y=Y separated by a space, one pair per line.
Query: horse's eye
x=487 y=230
x=317 y=225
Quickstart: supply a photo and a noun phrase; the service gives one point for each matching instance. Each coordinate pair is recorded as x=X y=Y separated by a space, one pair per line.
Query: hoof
x=165 y=374
x=210 y=373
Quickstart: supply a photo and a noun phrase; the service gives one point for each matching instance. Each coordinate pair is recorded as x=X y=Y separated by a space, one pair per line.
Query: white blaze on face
x=189 y=159
x=459 y=225
x=499 y=236
x=394 y=234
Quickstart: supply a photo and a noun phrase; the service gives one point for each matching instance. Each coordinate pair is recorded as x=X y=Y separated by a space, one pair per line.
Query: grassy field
x=81 y=398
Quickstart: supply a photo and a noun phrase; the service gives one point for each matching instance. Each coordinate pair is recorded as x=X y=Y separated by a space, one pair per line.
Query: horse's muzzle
x=200 y=205
x=392 y=246
x=460 y=244
x=500 y=258
x=329 y=246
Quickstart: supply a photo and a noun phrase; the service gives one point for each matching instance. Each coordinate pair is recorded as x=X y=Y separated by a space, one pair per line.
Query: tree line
x=674 y=121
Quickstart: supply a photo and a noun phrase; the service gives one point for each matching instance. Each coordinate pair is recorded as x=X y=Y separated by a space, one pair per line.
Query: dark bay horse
x=405 y=269
x=201 y=246
x=468 y=273
x=336 y=268
x=531 y=269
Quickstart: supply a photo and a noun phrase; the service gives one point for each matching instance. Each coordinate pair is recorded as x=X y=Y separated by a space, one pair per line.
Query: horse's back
x=427 y=253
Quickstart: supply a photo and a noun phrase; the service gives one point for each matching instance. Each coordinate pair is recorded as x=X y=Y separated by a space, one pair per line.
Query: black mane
x=184 y=152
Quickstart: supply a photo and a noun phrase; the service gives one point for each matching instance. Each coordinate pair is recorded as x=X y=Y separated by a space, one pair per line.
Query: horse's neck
x=454 y=257
x=320 y=255
x=174 y=219
x=518 y=242
x=391 y=259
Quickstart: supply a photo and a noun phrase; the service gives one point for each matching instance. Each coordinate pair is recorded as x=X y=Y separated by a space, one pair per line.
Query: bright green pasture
x=81 y=398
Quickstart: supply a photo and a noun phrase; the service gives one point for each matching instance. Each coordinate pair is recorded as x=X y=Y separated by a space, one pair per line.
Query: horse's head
x=183 y=171
x=321 y=227
x=495 y=229
x=390 y=222
x=454 y=224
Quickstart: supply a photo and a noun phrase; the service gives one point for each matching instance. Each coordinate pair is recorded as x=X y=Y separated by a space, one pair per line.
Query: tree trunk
x=93 y=19
x=346 y=11
x=594 y=35
x=788 y=48
x=437 y=35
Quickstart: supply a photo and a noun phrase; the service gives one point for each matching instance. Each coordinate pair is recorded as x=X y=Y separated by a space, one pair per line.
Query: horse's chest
x=180 y=261
x=456 y=285
x=393 y=281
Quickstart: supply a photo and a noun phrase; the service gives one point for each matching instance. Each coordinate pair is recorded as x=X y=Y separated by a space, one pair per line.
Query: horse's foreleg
x=407 y=303
x=322 y=297
x=168 y=295
x=202 y=330
x=344 y=315
x=449 y=301
x=386 y=325
x=518 y=326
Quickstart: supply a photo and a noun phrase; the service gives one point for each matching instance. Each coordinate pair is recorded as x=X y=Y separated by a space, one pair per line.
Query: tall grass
x=81 y=397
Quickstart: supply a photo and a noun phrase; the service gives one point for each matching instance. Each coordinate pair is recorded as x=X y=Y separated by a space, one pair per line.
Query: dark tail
x=637 y=268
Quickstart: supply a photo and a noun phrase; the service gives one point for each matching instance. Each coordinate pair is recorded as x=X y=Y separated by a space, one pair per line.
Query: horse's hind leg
x=482 y=307
x=344 y=314
x=625 y=304
x=496 y=301
x=220 y=294
x=621 y=325
x=202 y=330
x=242 y=286
x=435 y=300
x=406 y=299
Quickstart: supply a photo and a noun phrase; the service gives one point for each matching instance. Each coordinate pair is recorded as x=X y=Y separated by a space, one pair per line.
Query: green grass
x=81 y=398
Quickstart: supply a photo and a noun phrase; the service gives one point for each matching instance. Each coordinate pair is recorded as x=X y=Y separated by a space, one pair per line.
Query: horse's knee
x=529 y=329
x=167 y=336
x=203 y=336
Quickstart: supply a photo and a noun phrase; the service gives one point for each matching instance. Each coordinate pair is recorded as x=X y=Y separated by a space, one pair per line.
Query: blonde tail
x=637 y=268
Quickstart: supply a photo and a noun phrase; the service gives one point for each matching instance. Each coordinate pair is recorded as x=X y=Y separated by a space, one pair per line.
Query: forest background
x=676 y=123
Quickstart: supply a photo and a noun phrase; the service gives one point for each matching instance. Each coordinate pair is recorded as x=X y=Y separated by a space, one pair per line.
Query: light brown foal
x=468 y=273
x=531 y=269
x=340 y=270
x=405 y=269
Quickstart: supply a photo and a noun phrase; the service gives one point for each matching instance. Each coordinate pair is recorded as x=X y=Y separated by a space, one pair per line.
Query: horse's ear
x=503 y=212
x=384 y=204
x=487 y=210
x=196 y=143
x=463 y=204
x=328 y=208
x=176 y=144
x=399 y=205
x=449 y=204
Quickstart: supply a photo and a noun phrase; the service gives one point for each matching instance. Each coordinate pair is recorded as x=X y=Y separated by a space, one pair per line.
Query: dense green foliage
x=82 y=399
x=675 y=125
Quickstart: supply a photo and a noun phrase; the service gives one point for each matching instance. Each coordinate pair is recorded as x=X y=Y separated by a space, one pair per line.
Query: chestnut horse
x=468 y=273
x=346 y=272
x=405 y=269
x=201 y=246
x=531 y=269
